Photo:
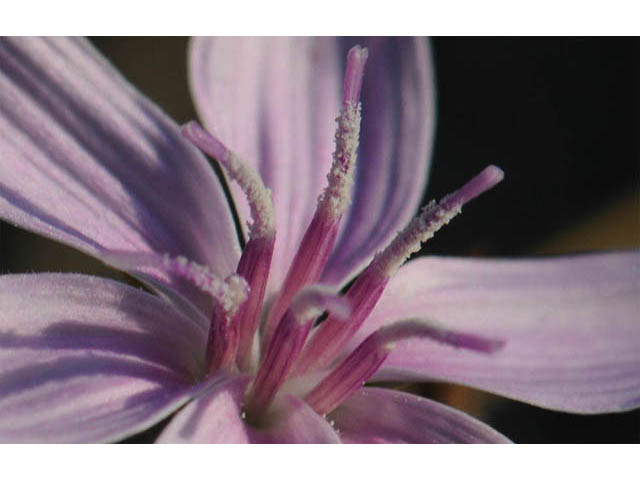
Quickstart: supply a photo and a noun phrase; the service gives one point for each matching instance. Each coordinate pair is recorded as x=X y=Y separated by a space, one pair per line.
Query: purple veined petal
x=274 y=102
x=216 y=416
x=378 y=415
x=396 y=138
x=570 y=326
x=88 y=161
x=84 y=359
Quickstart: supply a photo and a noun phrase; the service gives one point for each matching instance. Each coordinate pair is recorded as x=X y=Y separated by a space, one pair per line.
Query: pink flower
x=230 y=339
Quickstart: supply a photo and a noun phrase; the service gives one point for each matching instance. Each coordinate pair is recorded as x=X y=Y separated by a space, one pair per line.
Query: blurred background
x=560 y=116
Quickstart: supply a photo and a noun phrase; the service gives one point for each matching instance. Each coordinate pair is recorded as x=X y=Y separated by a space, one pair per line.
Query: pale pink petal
x=87 y=160
x=296 y=422
x=214 y=417
x=570 y=326
x=84 y=359
x=377 y=415
x=275 y=100
x=217 y=417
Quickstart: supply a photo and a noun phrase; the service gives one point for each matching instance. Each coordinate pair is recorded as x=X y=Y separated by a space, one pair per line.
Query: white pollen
x=230 y=293
x=407 y=242
x=259 y=197
x=337 y=195
x=235 y=293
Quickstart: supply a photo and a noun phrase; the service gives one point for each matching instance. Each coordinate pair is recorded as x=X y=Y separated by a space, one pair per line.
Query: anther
x=255 y=262
x=431 y=219
x=258 y=196
x=319 y=239
x=368 y=287
x=367 y=358
x=337 y=195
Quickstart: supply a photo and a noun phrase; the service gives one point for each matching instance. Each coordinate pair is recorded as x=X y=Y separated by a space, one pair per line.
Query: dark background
x=558 y=115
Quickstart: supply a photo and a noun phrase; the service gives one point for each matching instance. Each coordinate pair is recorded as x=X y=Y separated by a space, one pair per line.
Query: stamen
x=328 y=337
x=222 y=344
x=432 y=218
x=254 y=265
x=229 y=293
x=320 y=237
x=258 y=196
x=337 y=195
x=287 y=343
x=223 y=340
x=367 y=358
x=354 y=74
x=255 y=262
x=368 y=287
x=429 y=329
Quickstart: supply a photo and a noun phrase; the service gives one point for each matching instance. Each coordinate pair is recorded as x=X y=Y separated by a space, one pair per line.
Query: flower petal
x=217 y=417
x=378 y=415
x=213 y=417
x=84 y=359
x=88 y=161
x=296 y=422
x=396 y=139
x=274 y=101
x=570 y=326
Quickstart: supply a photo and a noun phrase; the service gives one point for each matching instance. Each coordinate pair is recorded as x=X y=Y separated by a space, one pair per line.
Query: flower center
x=291 y=347
x=287 y=342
